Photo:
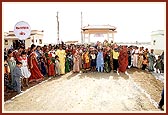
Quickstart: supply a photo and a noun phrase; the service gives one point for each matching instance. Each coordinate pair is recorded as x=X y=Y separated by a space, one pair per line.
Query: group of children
x=16 y=72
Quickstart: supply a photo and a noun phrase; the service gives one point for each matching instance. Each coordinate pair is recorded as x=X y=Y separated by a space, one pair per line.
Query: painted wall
x=28 y=43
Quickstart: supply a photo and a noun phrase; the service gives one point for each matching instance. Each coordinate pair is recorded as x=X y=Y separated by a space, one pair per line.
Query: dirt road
x=91 y=92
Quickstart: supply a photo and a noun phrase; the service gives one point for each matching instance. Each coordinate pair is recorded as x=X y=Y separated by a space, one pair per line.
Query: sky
x=134 y=21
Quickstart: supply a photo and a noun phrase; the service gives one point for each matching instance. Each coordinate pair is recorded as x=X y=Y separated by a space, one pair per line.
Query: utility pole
x=57 y=29
x=81 y=28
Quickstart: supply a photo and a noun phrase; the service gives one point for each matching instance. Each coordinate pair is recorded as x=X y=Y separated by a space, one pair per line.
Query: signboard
x=22 y=30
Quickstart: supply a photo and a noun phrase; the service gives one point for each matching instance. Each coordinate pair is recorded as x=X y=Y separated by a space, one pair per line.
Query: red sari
x=123 y=60
x=51 y=67
x=35 y=72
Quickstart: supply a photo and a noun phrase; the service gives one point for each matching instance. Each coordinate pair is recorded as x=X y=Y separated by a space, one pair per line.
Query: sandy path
x=86 y=92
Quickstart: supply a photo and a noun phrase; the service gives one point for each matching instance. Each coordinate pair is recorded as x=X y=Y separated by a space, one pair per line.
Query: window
x=154 y=41
x=6 y=42
x=32 y=40
x=40 y=41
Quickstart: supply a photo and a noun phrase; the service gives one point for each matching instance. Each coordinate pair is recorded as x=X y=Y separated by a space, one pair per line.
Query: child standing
x=17 y=75
x=57 y=65
x=24 y=69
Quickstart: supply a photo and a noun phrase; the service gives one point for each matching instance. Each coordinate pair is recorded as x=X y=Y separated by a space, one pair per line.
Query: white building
x=10 y=39
x=158 y=41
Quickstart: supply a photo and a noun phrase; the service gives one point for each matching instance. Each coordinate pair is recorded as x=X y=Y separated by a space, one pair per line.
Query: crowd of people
x=23 y=66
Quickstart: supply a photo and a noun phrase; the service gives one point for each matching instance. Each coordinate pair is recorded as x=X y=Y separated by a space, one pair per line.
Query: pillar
x=113 y=36
x=108 y=36
x=89 y=38
x=83 y=38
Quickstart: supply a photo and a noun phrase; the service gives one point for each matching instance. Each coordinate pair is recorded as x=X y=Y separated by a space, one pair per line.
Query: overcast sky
x=134 y=21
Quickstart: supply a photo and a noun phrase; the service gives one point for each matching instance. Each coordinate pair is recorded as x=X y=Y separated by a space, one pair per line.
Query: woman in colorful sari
x=46 y=57
x=80 y=58
x=123 y=59
x=140 y=58
x=51 y=65
x=67 y=64
x=86 y=60
x=76 y=67
x=33 y=64
x=61 y=54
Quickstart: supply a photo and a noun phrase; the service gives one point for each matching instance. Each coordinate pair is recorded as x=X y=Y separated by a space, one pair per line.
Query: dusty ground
x=91 y=92
x=148 y=82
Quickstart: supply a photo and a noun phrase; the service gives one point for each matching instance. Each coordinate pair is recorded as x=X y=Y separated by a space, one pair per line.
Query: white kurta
x=135 y=58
